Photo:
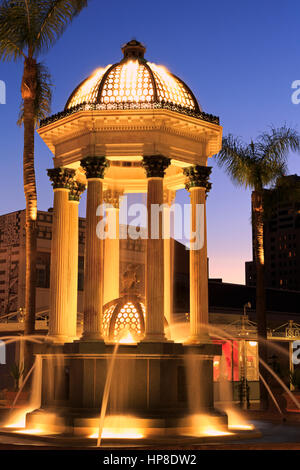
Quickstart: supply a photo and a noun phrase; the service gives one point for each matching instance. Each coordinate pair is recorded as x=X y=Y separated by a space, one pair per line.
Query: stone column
x=198 y=185
x=93 y=266
x=155 y=167
x=74 y=197
x=59 y=326
x=112 y=246
x=169 y=197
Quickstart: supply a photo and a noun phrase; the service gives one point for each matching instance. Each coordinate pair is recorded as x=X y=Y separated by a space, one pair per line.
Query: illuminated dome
x=133 y=81
x=124 y=314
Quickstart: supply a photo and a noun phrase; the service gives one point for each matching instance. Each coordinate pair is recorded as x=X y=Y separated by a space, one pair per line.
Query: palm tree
x=28 y=28
x=256 y=166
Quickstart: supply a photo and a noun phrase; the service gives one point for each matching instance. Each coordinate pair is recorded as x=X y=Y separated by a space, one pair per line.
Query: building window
x=41 y=278
x=43 y=270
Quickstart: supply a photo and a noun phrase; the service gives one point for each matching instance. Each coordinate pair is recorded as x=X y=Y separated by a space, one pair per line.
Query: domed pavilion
x=130 y=127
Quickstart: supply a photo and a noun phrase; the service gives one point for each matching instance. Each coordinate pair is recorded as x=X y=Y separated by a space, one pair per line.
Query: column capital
x=94 y=166
x=61 y=178
x=198 y=177
x=155 y=165
x=169 y=196
x=112 y=197
x=76 y=191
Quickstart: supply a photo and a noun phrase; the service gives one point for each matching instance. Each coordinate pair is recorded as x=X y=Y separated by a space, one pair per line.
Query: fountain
x=147 y=382
x=118 y=413
x=122 y=409
x=118 y=419
x=131 y=127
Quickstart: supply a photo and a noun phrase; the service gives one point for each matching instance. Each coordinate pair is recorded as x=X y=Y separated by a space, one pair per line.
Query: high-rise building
x=12 y=260
x=281 y=238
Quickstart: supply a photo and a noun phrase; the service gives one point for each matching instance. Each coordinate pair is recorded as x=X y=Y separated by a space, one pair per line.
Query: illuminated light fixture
x=119 y=427
x=203 y=425
x=214 y=432
x=18 y=424
x=253 y=343
x=118 y=434
x=18 y=420
x=124 y=314
x=133 y=80
x=128 y=339
x=30 y=431
x=241 y=427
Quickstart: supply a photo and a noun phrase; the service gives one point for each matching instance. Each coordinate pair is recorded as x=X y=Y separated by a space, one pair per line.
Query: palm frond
x=13 y=29
x=10 y=50
x=55 y=15
x=276 y=144
x=260 y=163
x=270 y=171
x=19 y=26
x=234 y=158
x=42 y=104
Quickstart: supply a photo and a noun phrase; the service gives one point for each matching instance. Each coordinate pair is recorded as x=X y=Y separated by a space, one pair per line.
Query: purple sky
x=239 y=59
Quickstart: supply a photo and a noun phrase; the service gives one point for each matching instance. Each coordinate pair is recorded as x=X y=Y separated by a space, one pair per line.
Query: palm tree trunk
x=28 y=94
x=258 y=227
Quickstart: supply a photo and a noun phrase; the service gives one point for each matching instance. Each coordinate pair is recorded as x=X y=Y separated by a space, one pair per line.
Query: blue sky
x=239 y=59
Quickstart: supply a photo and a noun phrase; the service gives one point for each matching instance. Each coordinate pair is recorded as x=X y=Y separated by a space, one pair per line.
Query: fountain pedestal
x=160 y=384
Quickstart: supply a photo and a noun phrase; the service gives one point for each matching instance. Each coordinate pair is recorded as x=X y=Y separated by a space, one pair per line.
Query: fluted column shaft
x=155 y=169
x=94 y=250
x=59 y=326
x=198 y=186
x=72 y=288
x=112 y=247
x=168 y=257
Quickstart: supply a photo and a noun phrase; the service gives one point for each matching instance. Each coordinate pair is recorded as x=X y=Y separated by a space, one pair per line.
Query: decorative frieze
x=94 y=166
x=198 y=177
x=155 y=166
x=124 y=106
x=61 y=178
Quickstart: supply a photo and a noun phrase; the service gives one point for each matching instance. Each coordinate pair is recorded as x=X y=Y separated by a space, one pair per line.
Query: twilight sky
x=239 y=59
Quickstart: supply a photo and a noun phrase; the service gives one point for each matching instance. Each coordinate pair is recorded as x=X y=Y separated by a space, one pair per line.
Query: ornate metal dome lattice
x=132 y=84
x=133 y=80
x=126 y=314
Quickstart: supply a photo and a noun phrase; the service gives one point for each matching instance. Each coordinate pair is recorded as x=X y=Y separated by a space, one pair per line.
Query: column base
x=91 y=337
x=60 y=339
x=203 y=349
x=85 y=347
x=195 y=339
x=154 y=338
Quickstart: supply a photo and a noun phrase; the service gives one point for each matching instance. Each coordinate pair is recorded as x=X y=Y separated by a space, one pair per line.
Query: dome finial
x=134 y=50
